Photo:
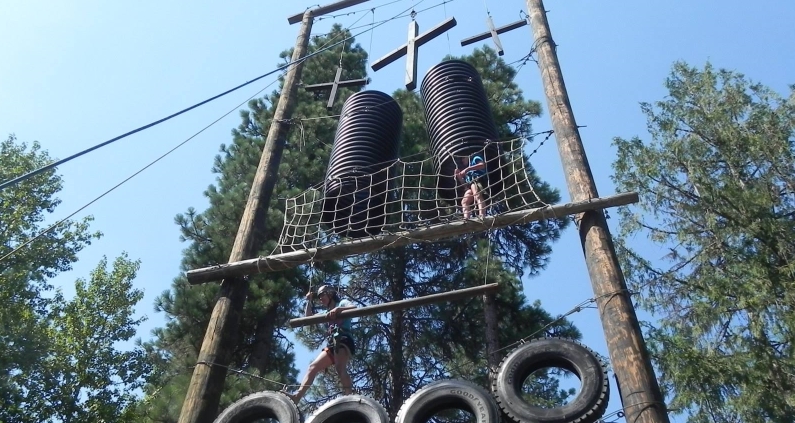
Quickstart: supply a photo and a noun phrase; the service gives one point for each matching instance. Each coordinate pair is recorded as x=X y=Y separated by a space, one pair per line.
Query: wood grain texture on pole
x=492 y=331
x=434 y=232
x=629 y=358
x=204 y=391
x=398 y=305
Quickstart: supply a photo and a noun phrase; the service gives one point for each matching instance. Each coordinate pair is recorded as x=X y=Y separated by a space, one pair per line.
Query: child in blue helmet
x=474 y=175
x=340 y=346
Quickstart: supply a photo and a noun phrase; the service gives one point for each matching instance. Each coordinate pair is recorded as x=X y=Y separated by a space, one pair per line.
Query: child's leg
x=322 y=361
x=466 y=201
x=341 y=363
x=479 y=199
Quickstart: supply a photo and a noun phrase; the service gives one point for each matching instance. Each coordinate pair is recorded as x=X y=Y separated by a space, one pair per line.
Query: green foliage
x=84 y=376
x=24 y=275
x=717 y=190
x=58 y=357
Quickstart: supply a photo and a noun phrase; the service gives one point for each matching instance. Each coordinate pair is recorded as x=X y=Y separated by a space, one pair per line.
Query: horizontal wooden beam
x=398 y=305
x=279 y=262
x=420 y=40
x=390 y=57
x=328 y=85
x=500 y=30
x=322 y=10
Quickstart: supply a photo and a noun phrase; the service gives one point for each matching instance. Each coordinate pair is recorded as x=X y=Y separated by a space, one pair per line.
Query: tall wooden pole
x=492 y=330
x=204 y=391
x=640 y=392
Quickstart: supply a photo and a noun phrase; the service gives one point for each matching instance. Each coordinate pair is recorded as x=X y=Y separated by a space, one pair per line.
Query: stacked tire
x=587 y=407
x=350 y=408
x=505 y=400
x=277 y=406
x=259 y=406
x=446 y=395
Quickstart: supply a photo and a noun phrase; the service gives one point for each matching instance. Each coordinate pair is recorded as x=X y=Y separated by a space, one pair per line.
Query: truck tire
x=587 y=407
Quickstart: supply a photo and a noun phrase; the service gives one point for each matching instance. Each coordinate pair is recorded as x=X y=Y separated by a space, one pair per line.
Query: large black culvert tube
x=460 y=124
x=365 y=146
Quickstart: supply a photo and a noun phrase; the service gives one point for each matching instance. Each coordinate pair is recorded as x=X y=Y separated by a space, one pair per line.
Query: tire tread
x=590 y=416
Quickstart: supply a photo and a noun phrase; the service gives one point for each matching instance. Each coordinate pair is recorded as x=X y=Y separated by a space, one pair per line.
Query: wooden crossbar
x=334 y=85
x=492 y=33
x=322 y=10
x=279 y=262
x=410 y=49
x=398 y=305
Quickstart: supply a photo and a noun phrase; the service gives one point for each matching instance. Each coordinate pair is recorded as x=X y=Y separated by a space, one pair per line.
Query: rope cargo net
x=406 y=195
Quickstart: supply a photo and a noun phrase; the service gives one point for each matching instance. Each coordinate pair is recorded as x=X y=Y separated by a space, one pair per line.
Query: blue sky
x=77 y=73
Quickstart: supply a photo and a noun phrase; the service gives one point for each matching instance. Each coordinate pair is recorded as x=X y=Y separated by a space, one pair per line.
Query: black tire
x=261 y=405
x=587 y=407
x=449 y=394
x=350 y=408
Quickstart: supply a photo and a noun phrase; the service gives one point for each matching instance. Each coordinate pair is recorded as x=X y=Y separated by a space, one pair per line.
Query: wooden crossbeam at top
x=334 y=85
x=493 y=33
x=279 y=262
x=415 y=41
x=322 y=10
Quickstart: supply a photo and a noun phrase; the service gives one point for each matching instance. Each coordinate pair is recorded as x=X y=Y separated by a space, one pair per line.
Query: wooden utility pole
x=492 y=330
x=640 y=393
x=204 y=391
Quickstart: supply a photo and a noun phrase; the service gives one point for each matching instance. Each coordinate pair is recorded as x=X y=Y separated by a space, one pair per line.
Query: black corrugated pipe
x=365 y=146
x=460 y=124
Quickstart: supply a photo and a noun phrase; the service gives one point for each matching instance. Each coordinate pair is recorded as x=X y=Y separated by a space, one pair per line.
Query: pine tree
x=415 y=346
x=717 y=201
x=262 y=348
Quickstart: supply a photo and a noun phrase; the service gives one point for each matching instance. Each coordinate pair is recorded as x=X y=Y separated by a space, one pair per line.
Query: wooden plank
x=398 y=305
x=275 y=263
x=390 y=57
x=322 y=10
x=436 y=31
x=410 y=49
x=348 y=83
x=337 y=83
x=486 y=35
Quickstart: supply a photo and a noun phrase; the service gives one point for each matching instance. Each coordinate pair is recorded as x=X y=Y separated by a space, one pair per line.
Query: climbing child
x=474 y=175
x=340 y=346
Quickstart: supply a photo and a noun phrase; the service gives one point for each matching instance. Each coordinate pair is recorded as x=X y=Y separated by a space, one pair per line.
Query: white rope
x=488 y=257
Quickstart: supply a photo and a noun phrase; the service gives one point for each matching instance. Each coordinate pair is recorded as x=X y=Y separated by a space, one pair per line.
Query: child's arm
x=478 y=166
x=335 y=311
